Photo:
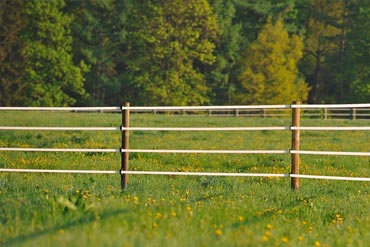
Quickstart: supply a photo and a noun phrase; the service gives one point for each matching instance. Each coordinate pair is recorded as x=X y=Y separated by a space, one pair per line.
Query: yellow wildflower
x=284 y=239
x=218 y=232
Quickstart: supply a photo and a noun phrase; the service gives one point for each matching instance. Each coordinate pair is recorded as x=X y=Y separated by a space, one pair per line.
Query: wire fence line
x=321 y=111
x=170 y=173
x=79 y=150
x=68 y=109
x=324 y=111
x=172 y=108
x=125 y=128
x=58 y=171
x=182 y=128
x=184 y=151
x=61 y=128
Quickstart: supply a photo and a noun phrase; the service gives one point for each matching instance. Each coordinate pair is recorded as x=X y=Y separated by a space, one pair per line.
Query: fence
x=352 y=113
x=125 y=150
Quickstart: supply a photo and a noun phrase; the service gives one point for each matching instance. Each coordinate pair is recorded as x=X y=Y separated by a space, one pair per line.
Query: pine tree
x=99 y=35
x=270 y=74
x=253 y=15
x=353 y=73
x=321 y=42
x=11 y=50
x=222 y=75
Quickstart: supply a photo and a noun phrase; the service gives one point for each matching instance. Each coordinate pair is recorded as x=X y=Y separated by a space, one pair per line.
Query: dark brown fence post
x=296 y=115
x=125 y=145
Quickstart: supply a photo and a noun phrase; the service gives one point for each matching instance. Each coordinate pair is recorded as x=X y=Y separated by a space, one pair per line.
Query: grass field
x=92 y=210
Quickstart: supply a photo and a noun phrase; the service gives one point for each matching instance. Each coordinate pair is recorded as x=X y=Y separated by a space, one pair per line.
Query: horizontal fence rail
x=69 y=109
x=61 y=128
x=59 y=171
x=218 y=151
x=324 y=111
x=330 y=153
x=216 y=174
x=181 y=128
x=125 y=128
x=205 y=129
x=184 y=151
x=80 y=150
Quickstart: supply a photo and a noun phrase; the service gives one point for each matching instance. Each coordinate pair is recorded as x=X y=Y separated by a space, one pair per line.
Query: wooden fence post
x=296 y=115
x=353 y=113
x=263 y=113
x=125 y=145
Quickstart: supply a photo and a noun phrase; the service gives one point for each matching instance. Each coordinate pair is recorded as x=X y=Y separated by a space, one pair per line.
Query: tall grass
x=81 y=210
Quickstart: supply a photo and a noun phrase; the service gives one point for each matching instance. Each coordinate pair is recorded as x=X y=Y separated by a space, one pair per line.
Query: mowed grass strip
x=80 y=210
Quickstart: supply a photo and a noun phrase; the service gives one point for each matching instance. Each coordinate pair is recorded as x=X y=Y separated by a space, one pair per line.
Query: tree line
x=183 y=52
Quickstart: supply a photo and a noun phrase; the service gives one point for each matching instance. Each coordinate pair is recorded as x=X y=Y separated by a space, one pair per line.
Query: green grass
x=92 y=210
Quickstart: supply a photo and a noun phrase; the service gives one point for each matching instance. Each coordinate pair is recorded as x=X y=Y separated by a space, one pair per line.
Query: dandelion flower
x=267 y=233
x=284 y=239
x=218 y=232
x=136 y=200
x=158 y=215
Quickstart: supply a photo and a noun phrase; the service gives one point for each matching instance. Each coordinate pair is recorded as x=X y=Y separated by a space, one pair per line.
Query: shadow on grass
x=79 y=222
x=298 y=201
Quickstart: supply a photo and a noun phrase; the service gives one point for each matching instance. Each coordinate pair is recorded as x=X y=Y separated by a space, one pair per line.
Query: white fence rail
x=125 y=128
x=323 y=111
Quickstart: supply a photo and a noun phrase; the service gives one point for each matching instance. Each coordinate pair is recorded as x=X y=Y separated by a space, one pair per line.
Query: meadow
x=92 y=210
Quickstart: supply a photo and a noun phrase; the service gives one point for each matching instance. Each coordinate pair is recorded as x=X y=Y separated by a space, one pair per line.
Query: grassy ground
x=81 y=210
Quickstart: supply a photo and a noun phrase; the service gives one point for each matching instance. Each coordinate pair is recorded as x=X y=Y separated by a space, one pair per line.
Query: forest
x=183 y=52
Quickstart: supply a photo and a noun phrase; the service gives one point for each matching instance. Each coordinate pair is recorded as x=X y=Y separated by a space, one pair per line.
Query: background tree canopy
x=161 y=52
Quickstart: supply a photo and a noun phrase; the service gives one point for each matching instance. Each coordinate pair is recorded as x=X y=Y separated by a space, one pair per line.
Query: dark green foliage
x=354 y=73
x=11 y=50
x=106 y=52
x=99 y=40
x=222 y=76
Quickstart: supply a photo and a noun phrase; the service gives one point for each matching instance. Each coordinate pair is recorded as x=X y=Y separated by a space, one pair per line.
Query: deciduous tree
x=270 y=75
x=168 y=41
x=51 y=77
